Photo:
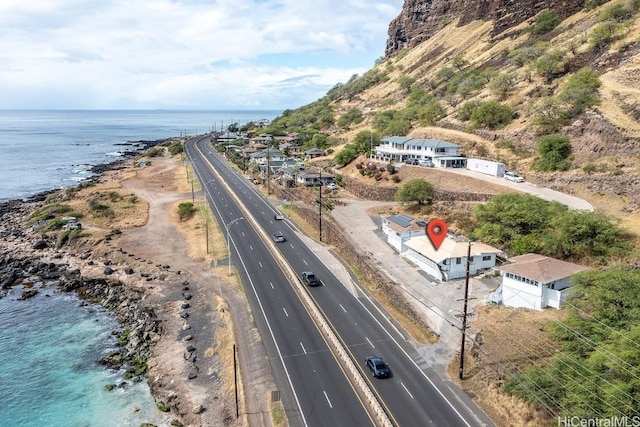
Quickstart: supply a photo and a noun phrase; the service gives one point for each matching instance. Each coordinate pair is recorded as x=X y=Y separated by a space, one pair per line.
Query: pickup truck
x=310 y=278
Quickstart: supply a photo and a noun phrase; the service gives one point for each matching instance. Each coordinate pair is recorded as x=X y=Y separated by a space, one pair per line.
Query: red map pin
x=437 y=231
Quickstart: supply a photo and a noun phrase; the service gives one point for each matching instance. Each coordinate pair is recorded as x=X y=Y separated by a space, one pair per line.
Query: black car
x=310 y=278
x=411 y=161
x=278 y=237
x=377 y=366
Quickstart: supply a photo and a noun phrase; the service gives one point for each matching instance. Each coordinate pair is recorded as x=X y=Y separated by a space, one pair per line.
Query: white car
x=331 y=186
x=512 y=176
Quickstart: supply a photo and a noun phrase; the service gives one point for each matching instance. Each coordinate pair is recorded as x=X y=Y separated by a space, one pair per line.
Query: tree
x=406 y=82
x=553 y=150
x=581 y=91
x=492 y=115
x=551 y=65
x=546 y=21
x=416 y=190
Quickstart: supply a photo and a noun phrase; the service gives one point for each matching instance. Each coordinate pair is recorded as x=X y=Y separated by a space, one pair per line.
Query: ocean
x=50 y=345
x=43 y=150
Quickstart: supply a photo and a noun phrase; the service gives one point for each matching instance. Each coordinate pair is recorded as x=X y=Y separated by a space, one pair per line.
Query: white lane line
x=272 y=287
x=407 y=390
x=305 y=262
x=343 y=309
x=370 y=343
x=285 y=311
x=304 y=350
x=260 y=263
x=327 y=397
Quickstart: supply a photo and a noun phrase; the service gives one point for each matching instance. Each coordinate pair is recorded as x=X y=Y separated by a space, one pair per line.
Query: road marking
x=272 y=287
x=242 y=232
x=250 y=247
x=305 y=262
x=343 y=309
x=327 y=397
x=304 y=350
x=407 y=390
x=369 y=341
x=285 y=311
x=260 y=263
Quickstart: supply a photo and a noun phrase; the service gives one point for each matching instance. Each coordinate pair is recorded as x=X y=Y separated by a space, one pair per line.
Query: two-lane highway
x=412 y=396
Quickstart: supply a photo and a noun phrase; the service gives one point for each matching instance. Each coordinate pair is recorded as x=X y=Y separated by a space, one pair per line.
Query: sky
x=185 y=54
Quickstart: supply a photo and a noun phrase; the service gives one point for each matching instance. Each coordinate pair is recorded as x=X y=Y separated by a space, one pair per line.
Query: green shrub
x=185 y=210
x=581 y=91
x=551 y=65
x=176 y=148
x=553 y=151
x=545 y=21
x=492 y=115
x=155 y=152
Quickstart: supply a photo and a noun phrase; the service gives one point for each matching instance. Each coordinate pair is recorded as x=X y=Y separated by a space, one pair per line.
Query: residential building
x=400 y=228
x=268 y=155
x=313 y=153
x=449 y=261
x=398 y=149
x=313 y=177
x=534 y=281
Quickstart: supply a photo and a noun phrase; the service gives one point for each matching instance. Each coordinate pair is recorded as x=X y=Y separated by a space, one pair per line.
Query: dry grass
x=512 y=340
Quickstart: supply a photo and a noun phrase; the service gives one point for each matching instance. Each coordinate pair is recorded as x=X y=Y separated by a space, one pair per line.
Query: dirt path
x=193 y=315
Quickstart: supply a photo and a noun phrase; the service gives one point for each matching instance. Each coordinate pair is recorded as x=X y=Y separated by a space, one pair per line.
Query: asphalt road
x=323 y=392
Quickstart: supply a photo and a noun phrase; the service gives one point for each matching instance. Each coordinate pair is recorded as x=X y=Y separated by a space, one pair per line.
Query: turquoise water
x=50 y=346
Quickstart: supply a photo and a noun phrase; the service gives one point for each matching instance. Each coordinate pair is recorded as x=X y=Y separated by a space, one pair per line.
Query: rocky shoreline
x=32 y=262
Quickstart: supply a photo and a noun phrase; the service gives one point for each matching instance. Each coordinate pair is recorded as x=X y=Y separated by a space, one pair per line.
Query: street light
x=226 y=227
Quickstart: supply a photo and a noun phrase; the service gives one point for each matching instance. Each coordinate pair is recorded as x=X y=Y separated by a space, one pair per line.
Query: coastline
x=149 y=297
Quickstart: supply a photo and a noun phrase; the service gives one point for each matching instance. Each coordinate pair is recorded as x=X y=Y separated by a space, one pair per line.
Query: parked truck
x=486 y=167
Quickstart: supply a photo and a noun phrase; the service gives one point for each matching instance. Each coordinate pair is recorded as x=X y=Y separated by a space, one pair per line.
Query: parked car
x=378 y=367
x=512 y=176
x=331 y=186
x=426 y=163
x=310 y=278
x=411 y=161
x=278 y=237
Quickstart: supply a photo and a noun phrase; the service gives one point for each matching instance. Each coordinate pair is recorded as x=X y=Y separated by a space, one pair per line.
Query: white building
x=397 y=149
x=266 y=156
x=450 y=260
x=400 y=228
x=535 y=281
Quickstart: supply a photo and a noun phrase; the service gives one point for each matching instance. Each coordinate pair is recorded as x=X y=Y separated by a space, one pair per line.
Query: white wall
x=518 y=294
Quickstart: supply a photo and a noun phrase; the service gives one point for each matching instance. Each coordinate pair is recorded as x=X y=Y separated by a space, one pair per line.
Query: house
x=263 y=138
x=313 y=177
x=289 y=148
x=535 y=281
x=450 y=260
x=313 y=153
x=228 y=137
x=399 y=149
x=400 y=228
x=266 y=156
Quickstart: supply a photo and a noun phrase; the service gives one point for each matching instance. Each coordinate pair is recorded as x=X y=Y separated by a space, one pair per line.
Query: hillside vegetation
x=558 y=100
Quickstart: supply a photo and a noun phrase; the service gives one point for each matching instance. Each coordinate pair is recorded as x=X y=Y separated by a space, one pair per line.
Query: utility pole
x=464 y=313
x=320 y=205
x=268 y=169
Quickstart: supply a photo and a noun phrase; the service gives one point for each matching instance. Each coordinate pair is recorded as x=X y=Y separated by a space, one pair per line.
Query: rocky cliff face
x=420 y=19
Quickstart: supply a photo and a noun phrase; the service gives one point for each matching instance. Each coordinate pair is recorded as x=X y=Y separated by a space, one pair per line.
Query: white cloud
x=184 y=54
